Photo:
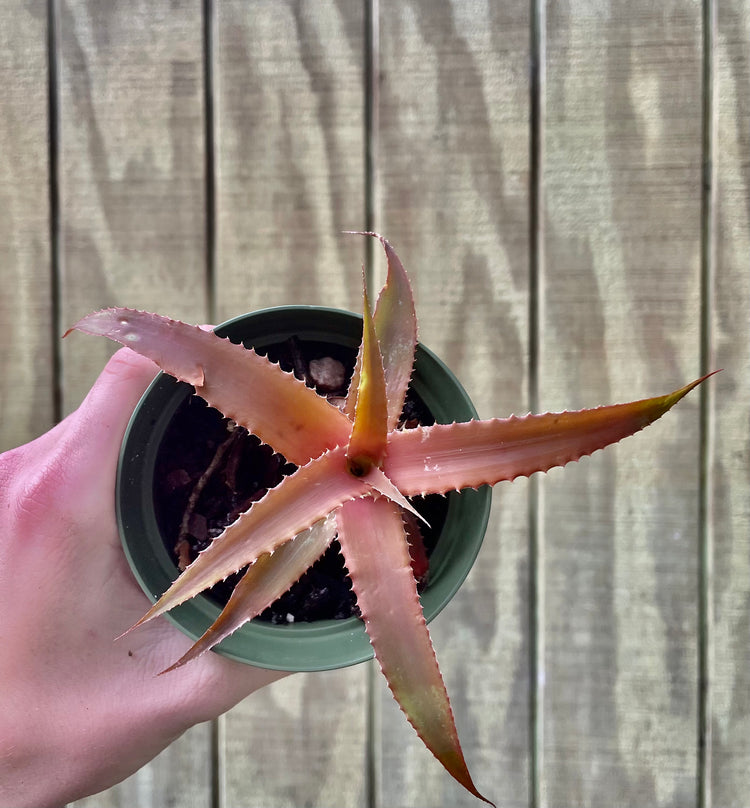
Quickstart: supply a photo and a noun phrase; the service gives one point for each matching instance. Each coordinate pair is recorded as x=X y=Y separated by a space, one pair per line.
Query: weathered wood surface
x=730 y=449
x=622 y=313
x=27 y=388
x=452 y=168
x=643 y=570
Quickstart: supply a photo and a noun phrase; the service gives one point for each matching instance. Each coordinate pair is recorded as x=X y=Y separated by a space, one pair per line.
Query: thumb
x=107 y=408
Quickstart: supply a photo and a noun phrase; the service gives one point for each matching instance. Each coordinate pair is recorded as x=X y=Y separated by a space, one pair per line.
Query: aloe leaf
x=442 y=458
x=396 y=328
x=301 y=499
x=266 y=580
x=369 y=431
x=375 y=549
x=245 y=387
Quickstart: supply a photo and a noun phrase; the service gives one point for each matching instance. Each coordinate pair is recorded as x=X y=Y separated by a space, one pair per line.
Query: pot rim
x=324 y=644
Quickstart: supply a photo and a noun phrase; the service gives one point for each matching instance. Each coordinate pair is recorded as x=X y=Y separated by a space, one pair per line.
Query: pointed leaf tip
x=651 y=409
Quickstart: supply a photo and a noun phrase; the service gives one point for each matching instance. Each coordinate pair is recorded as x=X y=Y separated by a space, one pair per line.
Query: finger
x=85 y=445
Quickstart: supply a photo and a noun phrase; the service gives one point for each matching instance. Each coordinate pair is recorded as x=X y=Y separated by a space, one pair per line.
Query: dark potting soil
x=208 y=471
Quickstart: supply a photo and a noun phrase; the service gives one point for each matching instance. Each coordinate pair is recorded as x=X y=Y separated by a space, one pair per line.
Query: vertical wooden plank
x=290 y=147
x=730 y=783
x=623 y=179
x=132 y=167
x=452 y=171
x=26 y=367
x=132 y=224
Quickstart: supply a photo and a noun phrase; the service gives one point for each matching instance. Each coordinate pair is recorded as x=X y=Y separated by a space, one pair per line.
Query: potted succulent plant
x=161 y=433
x=356 y=475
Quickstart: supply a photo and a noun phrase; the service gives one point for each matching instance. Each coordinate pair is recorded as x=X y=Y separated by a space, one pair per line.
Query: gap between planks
x=53 y=157
x=371 y=81
x=709 y=124
x=538 y=55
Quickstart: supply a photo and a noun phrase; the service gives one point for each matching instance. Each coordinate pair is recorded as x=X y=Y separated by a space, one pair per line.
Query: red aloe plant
x=356 y=470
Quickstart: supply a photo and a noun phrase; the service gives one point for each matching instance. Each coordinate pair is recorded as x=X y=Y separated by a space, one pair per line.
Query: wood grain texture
x=731 y=456
x=132 y=168
x=26 y=367
x=302 y=742
x=452 y=169
x=622 y=317
x=290 y=154
x=290 y=177
x=132 y=225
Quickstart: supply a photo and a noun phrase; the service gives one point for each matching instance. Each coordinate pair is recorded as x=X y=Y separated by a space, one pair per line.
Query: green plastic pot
x=324 y=644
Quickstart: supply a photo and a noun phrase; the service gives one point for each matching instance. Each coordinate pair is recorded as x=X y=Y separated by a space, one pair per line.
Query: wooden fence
x=569 y=186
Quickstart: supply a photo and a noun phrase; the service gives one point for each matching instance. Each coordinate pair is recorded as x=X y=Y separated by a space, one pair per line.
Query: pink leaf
x=380 y=483
x=396 y=329
x=442 y=458
x=374 y=545
x=299 y=500
x=265 y=581
x=245 y=387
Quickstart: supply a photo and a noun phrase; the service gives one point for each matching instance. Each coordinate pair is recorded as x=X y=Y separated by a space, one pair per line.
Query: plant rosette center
x=360 y=465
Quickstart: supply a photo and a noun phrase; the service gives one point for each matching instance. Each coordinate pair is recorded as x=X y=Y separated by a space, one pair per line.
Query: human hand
x=78 y=711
